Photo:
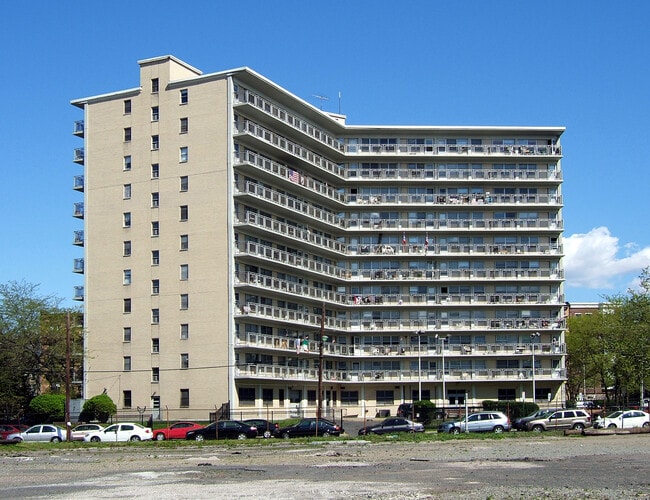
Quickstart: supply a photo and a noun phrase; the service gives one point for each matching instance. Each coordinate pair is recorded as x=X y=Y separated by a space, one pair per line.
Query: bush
x=426 y=411
x=99 y=408
x=511 y=408
x=48 y=408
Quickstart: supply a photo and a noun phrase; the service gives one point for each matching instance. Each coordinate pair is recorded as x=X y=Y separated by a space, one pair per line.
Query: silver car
x=485 y=421
x=561 y=419
x=43 y=433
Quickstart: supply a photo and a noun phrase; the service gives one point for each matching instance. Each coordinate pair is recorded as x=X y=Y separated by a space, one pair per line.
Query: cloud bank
x=597 y=260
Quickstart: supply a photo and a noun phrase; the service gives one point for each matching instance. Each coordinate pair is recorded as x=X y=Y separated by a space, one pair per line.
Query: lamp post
x=418 y=333
x=444 y=389
x=534 y=336
x=323 y=338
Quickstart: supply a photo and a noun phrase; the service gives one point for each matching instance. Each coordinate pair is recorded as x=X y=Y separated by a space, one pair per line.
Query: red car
x=175 y=431
x=6 y=429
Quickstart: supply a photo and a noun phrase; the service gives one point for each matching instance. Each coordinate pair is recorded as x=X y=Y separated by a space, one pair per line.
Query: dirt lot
x=534 y=466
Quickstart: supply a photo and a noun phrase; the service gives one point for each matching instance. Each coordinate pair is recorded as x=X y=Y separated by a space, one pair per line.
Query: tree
x=99 y=407
x=48 y=407
x=32 y=345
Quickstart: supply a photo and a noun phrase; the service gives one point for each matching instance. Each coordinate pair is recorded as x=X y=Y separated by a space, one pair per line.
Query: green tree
x=99 y=407
x=48 y=407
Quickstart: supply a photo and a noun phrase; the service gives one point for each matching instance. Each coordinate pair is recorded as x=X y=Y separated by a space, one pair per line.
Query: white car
x=44 y=432
x=624 y=419
x=125 y=431
x=81 y=430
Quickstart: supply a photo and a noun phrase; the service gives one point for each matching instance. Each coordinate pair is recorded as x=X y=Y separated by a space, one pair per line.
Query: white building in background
x=224 y=219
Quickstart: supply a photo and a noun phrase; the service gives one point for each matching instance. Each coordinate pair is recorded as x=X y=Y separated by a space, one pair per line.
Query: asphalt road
x=535 y=466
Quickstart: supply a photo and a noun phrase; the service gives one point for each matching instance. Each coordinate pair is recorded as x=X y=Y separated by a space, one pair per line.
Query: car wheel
x=498 y=429
x=646 y=424
x=326 y=434
x=454 y=430
x=199 y=437
x=267 y=434
x=135 y=438
x=160 y=436
x=242 y=436
x=411 y=431
x=56 y=439
x=537 y=428
x=95 y=439
x=611 y=426
x=285 y=435
x=579 y=427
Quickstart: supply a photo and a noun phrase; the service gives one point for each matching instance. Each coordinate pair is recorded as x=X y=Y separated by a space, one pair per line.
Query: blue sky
x=582 y=65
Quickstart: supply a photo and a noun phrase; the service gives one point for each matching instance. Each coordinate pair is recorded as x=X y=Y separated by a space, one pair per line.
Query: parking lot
x=526 y=466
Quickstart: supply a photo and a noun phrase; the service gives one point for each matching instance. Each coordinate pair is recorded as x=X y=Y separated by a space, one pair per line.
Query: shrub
x=511 y=408
x=99 y=407
x=48 y=407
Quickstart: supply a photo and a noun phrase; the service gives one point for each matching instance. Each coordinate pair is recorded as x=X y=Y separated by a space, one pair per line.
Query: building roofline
x=154 y=60
x=80 y=103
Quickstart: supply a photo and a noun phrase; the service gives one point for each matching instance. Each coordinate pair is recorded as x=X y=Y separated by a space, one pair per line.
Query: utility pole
x=319 y=409
x=67 y=379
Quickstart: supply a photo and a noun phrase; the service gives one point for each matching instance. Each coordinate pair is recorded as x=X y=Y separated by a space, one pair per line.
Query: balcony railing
x=78 y=210
x=78 y=128
x=270 y=372
x=479 y=200
x=454 y=150
x=78 y=155
x=78 y=184
x=78 y=293
x=433 y=172
x=78 y=238
x=468 y=224
x=78 y=266
x=270 y=283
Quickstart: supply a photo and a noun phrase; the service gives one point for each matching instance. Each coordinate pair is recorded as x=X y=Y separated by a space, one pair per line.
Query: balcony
x=78 y=183
x=78 y=128
x=429 y=173
x=78 y=293
x=78 y=266
x=78 y=156
x=78 y=210
x=78 y=238
x=467 y=150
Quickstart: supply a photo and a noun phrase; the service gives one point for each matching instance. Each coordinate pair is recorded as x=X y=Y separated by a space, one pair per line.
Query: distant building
x=225 y=219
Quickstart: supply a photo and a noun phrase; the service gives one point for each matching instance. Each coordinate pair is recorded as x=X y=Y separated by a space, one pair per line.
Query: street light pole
x=418 y=333
x=534 y=336
x=444 y=389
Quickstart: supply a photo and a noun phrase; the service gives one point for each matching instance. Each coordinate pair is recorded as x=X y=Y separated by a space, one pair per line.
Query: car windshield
x=615 y=414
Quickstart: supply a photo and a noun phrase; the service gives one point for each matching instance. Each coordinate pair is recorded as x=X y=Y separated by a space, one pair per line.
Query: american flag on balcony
x=426 y=240
x=294 y=176
x=403 y=238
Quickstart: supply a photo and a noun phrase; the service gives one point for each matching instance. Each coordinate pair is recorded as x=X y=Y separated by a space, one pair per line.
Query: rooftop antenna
x=339 y=102
x=321 y=98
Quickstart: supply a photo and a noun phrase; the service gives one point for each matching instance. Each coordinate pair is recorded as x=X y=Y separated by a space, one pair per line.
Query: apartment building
x=242 y=246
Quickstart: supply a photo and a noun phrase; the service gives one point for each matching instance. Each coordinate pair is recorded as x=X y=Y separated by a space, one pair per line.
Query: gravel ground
x=535 y=466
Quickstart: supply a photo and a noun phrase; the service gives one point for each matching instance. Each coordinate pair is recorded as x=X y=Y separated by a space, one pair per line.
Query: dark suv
x=405 y=410
x=307 y=427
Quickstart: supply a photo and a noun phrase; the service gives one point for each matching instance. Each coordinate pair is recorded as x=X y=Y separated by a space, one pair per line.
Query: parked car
x=392 y=425
x=485 y=421
x=177 y=430
x=45 y=432
x=223 y=429
x=590 y=405
x=307 y=428
x=405 y=410
x=623 y=420
x=124 y=431
x=6 y=429
x=520 y=423
x=264 y=427
x=79 y=431
x=560 y=419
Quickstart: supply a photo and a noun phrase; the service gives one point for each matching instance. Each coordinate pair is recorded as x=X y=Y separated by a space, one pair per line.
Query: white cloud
x=592 y=260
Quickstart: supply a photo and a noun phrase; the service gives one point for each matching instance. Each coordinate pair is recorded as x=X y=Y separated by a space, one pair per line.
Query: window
x=155 y=228
x=184 y=96
x=185 y=331
x=184 y=183
x=185 y=361
x=127 y=134
x=127 y=106
x=185 y=272
x=126 y=306
x=506 y=395
x=126 y=334
x=155 y=346
x=184 y=212
x=155 y=200
x=185 y=301
x=155 y=85
x=127 y=163
x=184 y=154
x=126 y=248
x=185 y=241
x=155 y=171
x=127 y=363
x=185 y=398
x=155 y=142
x=155 y=316
x=126 y=399
x=155 y=287
x=385 y=397
x=350 y=398
x=267 y=396
x=127 y=192
x=155 y=374
x=155 y=257
x=126 y=219
x=184 y=125
x=155 y=113
x=246 y=395
x=126 y=278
